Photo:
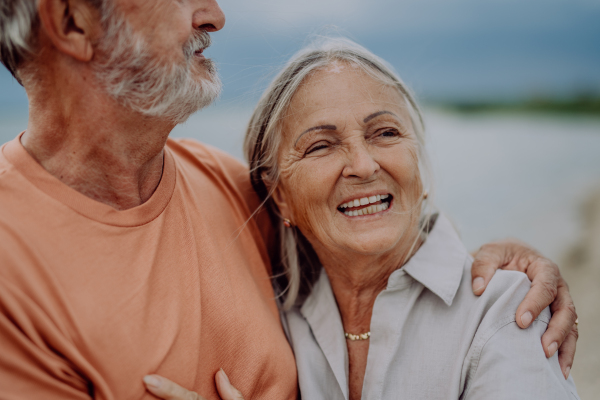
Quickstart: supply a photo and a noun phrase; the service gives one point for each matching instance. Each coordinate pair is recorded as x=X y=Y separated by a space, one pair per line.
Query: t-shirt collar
x=18 y=156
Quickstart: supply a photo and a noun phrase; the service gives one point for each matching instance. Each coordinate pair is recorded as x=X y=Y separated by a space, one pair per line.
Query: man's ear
x=71 y=25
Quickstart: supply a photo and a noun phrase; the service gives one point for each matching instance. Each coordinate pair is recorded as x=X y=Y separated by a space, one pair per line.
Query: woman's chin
x=371 y=246
x=372 y=242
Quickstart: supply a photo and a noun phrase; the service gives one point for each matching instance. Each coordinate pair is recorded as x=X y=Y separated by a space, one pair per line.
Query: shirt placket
x=390 y=312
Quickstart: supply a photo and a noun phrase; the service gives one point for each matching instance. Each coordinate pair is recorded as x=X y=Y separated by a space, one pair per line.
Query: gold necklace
x=360 y=336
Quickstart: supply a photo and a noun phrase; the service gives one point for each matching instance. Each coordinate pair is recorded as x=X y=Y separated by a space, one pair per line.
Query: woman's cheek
x=311 y=190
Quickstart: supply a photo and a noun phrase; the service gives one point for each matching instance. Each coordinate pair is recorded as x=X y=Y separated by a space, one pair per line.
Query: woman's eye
x=390 y=133
x=317 y=146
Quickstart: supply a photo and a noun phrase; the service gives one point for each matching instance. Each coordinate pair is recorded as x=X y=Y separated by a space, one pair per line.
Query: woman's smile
x=367 y=205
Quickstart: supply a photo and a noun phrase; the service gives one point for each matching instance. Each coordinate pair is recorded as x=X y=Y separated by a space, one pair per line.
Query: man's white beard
x=143 y=82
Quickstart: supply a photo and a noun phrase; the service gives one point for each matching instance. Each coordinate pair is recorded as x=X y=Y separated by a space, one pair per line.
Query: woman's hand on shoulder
x=168 y=390
x=548 y=288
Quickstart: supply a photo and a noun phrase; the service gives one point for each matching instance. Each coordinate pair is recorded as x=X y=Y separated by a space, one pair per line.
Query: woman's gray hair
x=300 y=267
x=19 y=23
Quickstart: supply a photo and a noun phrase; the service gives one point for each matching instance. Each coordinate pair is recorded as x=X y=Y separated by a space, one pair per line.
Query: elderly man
x=123 y=252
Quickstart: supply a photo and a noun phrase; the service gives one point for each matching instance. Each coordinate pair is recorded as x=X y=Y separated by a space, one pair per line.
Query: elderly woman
x=377 y=293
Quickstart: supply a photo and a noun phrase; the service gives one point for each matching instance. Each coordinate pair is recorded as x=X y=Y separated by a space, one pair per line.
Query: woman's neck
x=357 y=280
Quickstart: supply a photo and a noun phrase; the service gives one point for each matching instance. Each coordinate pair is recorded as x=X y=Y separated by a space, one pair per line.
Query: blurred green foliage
x=584 y=104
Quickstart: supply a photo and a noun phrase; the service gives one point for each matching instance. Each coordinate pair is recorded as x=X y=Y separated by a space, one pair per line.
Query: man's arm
x=548 y=288
x=32 y=363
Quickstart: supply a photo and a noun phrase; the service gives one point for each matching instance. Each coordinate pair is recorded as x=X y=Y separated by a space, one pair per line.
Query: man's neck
x=95 y=146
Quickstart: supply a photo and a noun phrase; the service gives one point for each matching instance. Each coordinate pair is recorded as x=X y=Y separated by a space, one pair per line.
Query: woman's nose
x=360 y=163
x=208 y=16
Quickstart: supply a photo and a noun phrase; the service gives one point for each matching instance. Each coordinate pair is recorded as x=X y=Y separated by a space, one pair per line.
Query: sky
x=465 y=50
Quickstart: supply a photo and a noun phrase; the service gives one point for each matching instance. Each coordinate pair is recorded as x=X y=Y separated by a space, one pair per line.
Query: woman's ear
x=71 y=25
x=280 y=198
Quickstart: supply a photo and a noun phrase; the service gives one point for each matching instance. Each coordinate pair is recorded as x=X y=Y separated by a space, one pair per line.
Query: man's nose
x=360 y=162
x=208 y=16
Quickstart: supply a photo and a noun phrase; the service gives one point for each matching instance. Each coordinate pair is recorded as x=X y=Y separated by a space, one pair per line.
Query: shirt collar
x=438 y=264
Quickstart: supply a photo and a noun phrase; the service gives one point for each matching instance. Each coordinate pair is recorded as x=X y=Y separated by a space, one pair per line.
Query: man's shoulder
x=200 y=158
x=204 y=155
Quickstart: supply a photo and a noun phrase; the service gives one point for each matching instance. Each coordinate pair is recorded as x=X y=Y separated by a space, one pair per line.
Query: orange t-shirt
x=92 y=299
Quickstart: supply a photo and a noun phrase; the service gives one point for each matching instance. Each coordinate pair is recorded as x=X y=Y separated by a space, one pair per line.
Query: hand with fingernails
x=548 y=288
x=166 y=389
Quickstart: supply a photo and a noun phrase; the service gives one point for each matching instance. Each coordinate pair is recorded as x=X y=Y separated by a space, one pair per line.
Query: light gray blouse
x=431 y=338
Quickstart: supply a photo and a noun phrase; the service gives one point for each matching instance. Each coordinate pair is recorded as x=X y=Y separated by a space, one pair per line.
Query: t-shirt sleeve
x=31 y=363
x=512 y=365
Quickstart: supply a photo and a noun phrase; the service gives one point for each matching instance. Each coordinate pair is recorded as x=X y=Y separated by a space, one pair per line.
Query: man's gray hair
x=19 y=23
x=300 y=267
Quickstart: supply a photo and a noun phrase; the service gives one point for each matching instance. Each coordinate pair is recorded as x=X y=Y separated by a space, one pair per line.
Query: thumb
x=225 y=388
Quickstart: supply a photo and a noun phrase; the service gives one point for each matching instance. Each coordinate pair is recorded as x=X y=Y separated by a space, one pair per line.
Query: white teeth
x=372 y=209
x=364 y=201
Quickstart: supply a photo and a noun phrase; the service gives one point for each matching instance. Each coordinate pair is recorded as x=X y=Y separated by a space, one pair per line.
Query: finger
x=566 y=353
x=487 y=260
x=225 y=388
x=168 y=390
x=545 y=279
x=561 y=324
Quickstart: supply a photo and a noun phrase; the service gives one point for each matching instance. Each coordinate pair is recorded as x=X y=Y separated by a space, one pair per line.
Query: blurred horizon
x=460 y=51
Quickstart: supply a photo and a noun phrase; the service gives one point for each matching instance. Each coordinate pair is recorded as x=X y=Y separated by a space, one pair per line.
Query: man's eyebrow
x=377 y=114
x=315 y=128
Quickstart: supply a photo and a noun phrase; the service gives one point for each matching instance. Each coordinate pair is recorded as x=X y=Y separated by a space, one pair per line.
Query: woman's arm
x=548 y=288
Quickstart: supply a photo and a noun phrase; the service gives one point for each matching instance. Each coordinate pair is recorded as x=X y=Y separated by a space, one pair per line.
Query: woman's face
x=349 y=168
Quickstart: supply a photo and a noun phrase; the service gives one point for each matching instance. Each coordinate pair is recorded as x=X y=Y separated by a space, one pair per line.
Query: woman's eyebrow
x=315 y=128
x=377 y=114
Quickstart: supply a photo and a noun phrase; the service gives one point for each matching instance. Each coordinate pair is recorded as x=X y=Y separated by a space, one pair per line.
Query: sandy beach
x=581 y=269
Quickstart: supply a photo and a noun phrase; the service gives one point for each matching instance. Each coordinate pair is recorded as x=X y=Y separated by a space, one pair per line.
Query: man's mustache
x=199 y=41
